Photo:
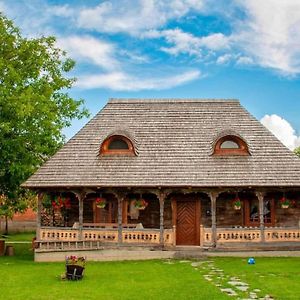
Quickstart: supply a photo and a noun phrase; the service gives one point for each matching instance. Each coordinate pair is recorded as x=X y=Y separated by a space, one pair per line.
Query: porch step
x=189 y=252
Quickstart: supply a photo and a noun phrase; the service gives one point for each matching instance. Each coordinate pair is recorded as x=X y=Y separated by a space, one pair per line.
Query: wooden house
x=162 y=174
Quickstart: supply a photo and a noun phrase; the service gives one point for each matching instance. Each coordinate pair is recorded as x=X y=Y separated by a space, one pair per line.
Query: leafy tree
x=297 y=151
x=34 y=107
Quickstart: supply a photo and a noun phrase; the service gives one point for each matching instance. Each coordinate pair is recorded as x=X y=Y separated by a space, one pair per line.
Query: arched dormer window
x=231 y=145
x=117 y=145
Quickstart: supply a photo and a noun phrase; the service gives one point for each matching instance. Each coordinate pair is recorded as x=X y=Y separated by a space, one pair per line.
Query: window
x=231 y=145
x=117 y=145
x=252 y=212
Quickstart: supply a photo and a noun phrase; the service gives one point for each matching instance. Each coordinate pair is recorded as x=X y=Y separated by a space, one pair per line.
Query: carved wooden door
x=187 y=225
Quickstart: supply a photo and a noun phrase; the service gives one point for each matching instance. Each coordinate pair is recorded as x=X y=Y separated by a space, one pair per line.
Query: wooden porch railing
x=251 y=235
x=96 y=236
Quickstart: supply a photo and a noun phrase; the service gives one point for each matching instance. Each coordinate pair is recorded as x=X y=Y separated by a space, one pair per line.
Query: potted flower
x=75 y=266
x=140 y=204
x=284 y=202
x=100 y=202
x=237 y=204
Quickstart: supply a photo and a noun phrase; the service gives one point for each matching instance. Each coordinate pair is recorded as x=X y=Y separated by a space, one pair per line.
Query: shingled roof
x=174 y=140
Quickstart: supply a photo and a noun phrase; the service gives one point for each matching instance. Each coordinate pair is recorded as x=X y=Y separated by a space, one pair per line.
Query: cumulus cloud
x=135 y=16
x=269 y=34
x=282 y=129
x=90 y=49
x=185 y=42
x=121 y=81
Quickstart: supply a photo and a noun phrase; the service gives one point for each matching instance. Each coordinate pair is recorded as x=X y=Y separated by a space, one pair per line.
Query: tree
x=34 y=107
x=297 y=151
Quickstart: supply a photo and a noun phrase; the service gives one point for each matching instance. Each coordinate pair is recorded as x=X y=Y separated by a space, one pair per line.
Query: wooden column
x=260 y=196
x=213 y=199
x=120 y=198
x=39 y=216
x=80 y=197
x=161 y=198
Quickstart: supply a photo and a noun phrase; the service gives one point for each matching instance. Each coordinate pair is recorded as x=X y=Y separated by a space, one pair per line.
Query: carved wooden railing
x=250 y=235
x=69 y=238
x=282 y=235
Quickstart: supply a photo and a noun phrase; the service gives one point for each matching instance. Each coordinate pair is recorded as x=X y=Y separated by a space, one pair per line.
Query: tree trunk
x=6 y=226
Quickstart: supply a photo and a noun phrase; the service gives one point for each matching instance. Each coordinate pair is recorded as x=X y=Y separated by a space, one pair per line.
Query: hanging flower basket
x=237 y=204
x=285 y=203
x=100 y=202
x=140 y=204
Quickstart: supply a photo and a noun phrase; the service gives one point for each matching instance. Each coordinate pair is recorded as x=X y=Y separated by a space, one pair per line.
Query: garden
x=209 y=278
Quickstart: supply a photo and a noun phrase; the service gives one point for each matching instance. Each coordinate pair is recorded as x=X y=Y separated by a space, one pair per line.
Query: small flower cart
x=75 y=266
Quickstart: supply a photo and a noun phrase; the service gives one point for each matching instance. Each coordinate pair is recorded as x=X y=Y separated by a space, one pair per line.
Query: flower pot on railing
x=285 y=206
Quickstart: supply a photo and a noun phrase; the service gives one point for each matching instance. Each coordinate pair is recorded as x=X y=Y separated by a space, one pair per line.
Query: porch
x=207 y=219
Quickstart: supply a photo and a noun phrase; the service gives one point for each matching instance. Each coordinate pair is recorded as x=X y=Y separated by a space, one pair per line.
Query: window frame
x=104 y=150
x=247 y=221
x=242 y=150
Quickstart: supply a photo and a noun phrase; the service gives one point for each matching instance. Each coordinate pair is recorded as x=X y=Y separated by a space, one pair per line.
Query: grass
x=25 y=279
x=278 y=277
x=21 y=278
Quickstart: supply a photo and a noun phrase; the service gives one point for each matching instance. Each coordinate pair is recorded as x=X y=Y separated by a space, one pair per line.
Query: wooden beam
x=161 y=198
x=260 y=195
x=213 y=200
x=120 y=198
x=39 y=215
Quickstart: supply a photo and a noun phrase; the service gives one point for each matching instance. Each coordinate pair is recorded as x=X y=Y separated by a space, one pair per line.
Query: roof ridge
x=169 y=100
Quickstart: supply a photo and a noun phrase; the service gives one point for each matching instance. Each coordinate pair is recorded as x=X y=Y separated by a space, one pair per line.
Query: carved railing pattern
x=145 y=236
x=102 y=235
x=58 y=234
x=282 y=235
x=246 y=235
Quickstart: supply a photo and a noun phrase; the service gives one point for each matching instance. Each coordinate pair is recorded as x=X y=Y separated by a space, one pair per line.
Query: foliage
x=75 y=260
x=140 y=203
x=297 y=151
x=100 y=202
x=34 y=105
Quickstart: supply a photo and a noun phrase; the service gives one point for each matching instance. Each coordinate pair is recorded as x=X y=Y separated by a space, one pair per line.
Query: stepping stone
x=238 y=283
x=242 y=288
x=253 y=296
x=184 y=261
x=229 y=292
x=196 y=264
x=256 y=290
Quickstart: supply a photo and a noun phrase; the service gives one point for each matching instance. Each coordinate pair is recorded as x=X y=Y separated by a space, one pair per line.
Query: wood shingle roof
x=174 y=141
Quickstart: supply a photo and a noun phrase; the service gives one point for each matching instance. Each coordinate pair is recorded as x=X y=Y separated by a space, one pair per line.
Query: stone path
x=232 y=286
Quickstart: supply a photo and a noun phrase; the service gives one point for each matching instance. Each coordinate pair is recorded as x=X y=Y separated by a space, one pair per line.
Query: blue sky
x=247 y=50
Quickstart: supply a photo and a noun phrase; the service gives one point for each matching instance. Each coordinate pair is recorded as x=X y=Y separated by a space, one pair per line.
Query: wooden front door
x=188 y=222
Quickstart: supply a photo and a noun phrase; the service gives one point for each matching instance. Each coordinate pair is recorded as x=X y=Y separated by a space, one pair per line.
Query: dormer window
x=117 y=145
x=231 y=145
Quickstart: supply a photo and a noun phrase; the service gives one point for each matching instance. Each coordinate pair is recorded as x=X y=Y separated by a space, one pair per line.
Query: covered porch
x=91 y=219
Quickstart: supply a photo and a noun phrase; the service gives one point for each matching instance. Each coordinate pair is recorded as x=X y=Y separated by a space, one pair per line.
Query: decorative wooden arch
x=107 y=147
x=241 y=149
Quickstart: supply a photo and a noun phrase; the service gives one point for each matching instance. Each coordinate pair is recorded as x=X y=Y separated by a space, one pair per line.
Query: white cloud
x=224 y=59
x=282 y=129
x=135 y=16
x=90 y=49
x=269 y=33
x=244 y=60
x=121 y=81
x=185 y=42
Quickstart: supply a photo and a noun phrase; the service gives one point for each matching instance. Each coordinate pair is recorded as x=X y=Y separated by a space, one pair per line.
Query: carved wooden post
x=80 y=197
x=260 y=196
x=120 y=198
x=213 y=199
x=39 y=216
x=161 y=198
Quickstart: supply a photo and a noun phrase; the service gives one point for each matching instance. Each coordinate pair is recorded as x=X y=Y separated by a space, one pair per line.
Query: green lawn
x=21 y=278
